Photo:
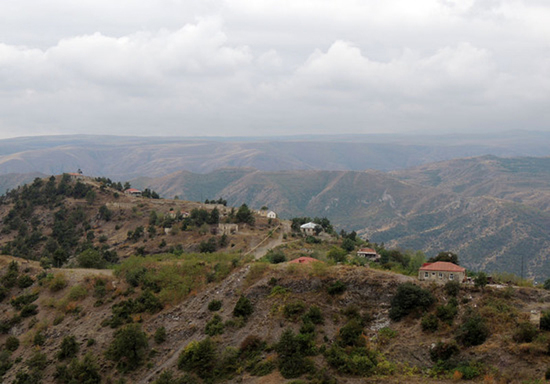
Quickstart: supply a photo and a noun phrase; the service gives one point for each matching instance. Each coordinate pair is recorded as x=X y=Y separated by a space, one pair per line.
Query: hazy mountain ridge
x=131 y=157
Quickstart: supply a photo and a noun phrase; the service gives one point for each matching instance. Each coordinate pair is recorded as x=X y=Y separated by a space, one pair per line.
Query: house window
x=426 y=275
x=451 y=276
x=433 y=275
x=440 y=275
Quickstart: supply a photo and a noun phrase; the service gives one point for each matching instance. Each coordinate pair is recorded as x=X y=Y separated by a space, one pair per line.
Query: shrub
x=294 y=309
x=452 y=288
x=39 y=339
x=128 y=348
x=37 y=362
x=199 y=358
x=292 y=362
x=12 y=343
x=313 y=315
x=336 y=288
x=29 y=310
x=430 y=323
x=160 y=335
x=525 y=333
x=5 y=362
x=251 y=346
x=78 y=292
x=85 y=371
x=20 y=301
x=447 y=312
x=214 y=326
x=243 y=308
x=214 y=305
x=69 y=348
x=276 y=257
x=443 y=351
x=58 y=283
x=355 y=361
x=473 y=331
x=545 y=321
x=409 y=297
x=24 y=281
x=350 y=334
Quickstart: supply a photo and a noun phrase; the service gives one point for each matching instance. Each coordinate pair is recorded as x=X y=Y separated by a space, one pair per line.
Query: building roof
x=132 y=190
x=309 y=225
x=304 y=260
x=442 y=266
x=366 y=250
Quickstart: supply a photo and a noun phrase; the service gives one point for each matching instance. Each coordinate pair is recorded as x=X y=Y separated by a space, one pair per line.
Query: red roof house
x=441 y=271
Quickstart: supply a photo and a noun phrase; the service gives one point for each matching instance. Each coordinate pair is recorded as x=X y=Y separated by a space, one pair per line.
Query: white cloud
x=267 y=67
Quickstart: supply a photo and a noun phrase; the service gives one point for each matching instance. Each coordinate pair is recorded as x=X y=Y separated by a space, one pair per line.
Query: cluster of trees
x=219 y=201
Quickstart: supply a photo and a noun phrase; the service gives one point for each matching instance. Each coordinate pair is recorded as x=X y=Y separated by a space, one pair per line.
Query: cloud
x=236 y=67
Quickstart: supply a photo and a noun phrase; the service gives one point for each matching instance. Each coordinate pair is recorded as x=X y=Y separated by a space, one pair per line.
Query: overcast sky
x=273 y=67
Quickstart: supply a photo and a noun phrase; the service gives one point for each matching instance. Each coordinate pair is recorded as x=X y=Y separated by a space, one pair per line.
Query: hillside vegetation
x=493 y=212
x=98 y=300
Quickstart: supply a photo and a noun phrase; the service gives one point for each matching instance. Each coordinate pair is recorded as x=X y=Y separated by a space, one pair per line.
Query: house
x=76 y=175
x=442 y=271
x=309 y=229
x=271 y=215
x=185 y=214
x=368 y=253
x=132 y=192
x=304 y=260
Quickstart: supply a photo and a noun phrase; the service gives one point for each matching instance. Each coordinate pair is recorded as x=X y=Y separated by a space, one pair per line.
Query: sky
x=273 y=67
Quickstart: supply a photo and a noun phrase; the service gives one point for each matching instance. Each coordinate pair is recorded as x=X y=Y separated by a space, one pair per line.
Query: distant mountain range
x=124 y=158
x=493 y=211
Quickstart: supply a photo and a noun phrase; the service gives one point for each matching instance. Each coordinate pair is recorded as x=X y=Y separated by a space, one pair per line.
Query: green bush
x=291 y=358
x=429 y=323
x=20 y=301
x=199 y=358
x=545 y=321
x=160 y=335
x=351 y=334
x=58 y=283
x=29 y=310
x=214 y=326
x=276 y=257
x=39 y=339
x=336 y=288
x=525 y=333
x=24 y=281
x=85 y=371
x=294 y=309
x=443 y=351
x=214 y=305
x=409 y=297
x=5 y=362
x=12 y=343
x=452 y=288
x=243 y=308
x=78 y=292
x=447 y=313
x=69 y=348
x=473 y=331
x=354 y=361
x=128 y=348
x=313 y=315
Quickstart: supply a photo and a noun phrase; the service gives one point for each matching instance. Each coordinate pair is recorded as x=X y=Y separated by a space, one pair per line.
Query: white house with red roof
x=442 y=271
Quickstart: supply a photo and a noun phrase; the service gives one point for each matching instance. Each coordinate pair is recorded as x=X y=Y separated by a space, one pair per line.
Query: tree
x=337 y=254
x=473 y=331
x=481 y=280
x=408 y=298
x=445 y=256
x=128 y=348
x=243 y=308
x=348 y=244
x=245 y=215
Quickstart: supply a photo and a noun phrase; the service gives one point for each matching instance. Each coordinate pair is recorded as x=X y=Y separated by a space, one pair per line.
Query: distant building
x=442 y=271
x=309 y=228
x=132 y=192
x=271 y=215
x=76 y=175
x=368 y=253
x=227 y=229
